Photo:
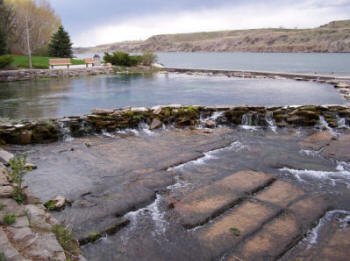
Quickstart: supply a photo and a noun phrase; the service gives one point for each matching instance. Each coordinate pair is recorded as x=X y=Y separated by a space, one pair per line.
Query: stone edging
x=30 y=236
x=29 y=132
x=27 y=74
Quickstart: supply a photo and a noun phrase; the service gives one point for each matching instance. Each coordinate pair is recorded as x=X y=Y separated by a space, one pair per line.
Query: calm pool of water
x=58 y=98
x=326 y=63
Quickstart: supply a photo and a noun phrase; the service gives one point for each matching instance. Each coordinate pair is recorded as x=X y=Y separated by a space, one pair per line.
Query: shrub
x=123 y=59
x=18 y=169
x=5 y=61
x=149 y=58
x=9 y=219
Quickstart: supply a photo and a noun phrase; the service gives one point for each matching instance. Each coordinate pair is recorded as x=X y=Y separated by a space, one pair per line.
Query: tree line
x=31 y=27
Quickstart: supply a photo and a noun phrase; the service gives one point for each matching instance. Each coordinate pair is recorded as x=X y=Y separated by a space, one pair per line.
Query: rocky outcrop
x=27 y=231
x=29 y=132
x=23 y=75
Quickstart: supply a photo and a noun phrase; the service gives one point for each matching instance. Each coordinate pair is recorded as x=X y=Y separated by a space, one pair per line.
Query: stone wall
x=28 y=132
x=23 y=75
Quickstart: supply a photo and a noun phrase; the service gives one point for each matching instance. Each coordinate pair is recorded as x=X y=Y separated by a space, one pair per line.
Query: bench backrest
x=89 y=60
x=60 y=61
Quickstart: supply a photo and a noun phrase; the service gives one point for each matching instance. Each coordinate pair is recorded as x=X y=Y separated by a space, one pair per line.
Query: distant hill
x=332 y=37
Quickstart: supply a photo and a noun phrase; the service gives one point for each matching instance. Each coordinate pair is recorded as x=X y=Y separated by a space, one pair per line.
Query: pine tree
x=60 y=45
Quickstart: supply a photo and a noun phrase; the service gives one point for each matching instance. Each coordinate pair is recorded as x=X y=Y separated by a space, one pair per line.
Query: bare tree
x=34 y=23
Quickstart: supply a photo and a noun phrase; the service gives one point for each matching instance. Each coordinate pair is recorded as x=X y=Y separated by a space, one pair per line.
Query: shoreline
x=249 y=73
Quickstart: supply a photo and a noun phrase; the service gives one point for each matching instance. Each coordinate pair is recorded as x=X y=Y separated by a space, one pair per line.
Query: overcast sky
x=92 y=22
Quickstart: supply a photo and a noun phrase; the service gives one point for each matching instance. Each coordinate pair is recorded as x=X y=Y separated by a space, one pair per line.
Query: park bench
x=59 y=62
x=89 y=61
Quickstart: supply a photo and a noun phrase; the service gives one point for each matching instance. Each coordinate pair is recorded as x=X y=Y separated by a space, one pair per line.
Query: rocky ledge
x=27 y=231
x=100 y=120
x=23 y=75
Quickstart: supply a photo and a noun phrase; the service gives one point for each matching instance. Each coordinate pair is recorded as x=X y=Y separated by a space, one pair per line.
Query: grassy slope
x=39 y=62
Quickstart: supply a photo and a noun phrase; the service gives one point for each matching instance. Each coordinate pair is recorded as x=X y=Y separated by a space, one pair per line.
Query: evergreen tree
x=60 y=45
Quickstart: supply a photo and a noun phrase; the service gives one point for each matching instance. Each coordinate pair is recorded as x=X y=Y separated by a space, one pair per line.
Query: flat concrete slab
x=207 y=202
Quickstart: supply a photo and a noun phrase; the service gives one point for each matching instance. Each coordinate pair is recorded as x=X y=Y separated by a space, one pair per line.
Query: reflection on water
x=67 y=97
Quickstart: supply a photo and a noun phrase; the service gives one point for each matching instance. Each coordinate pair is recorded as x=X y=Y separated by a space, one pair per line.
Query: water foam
x=154 y=211
x=211 y=155
x=65 y=130
x=313 y=236
x=342 y=174
x=323 y=124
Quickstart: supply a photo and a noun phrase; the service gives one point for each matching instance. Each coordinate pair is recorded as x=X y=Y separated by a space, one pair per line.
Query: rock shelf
x=44 y=131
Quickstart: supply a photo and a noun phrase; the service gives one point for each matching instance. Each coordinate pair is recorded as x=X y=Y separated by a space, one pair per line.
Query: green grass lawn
x=39 y=62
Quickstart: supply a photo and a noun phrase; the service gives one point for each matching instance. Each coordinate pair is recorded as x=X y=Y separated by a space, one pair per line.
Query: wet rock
x=108 y=227
x=271 y=241
x=338 y=149
x=102 y=112
x=25 y=137
x=186 y=116
x=205 y=203
x=139 y=109
x=7 y=249
x=10 y=205
x=157 y=110
x=210 y=124
x=46 y=247
x=56 y=204
x=45 y=132
x=30 y=166
x=6 y=191
x=38 y=218
x=280 y=193
x=248 y=217
x=3 y=176
x=156 y=124
x=234 y=116
x=317 y=141
x=5 y=156
x=342 y=85
x=21 y=222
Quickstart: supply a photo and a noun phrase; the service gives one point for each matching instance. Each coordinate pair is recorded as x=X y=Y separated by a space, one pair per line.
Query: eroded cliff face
x=332 y=37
